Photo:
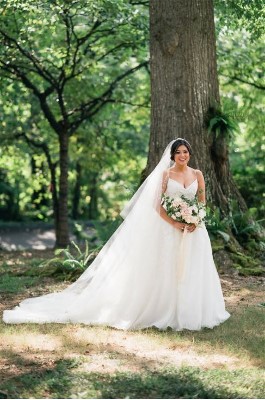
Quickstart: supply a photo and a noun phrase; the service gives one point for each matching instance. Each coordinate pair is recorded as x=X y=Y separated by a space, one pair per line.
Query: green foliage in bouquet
x=182 y=209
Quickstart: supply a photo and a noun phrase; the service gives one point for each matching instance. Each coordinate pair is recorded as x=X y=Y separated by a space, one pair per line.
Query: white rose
x=202 y=213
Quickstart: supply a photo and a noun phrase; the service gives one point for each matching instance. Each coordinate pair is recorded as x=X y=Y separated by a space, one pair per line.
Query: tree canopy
x=83 y=65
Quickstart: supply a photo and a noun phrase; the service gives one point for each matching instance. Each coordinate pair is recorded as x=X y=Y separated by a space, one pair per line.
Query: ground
x=21 y=236
x=78 y=361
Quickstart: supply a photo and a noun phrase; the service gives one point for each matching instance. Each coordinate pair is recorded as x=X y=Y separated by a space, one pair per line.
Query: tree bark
x=77 y=192
x=93 y=212
x=37 y=196
x=62 y=229
x=53 y=189
x=184 y=86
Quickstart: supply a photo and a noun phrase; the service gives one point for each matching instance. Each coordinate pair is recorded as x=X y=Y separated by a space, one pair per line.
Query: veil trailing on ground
x=106 y=280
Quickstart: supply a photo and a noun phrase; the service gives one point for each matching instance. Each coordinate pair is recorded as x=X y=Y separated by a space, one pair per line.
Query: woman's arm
x=201 y=187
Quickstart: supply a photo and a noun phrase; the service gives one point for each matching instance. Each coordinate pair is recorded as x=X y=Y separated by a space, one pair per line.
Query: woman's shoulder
x=198 y=173
x=166 y=172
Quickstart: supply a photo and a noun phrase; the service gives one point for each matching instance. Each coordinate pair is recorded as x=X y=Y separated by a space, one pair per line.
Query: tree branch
x=143 y=105
x=237 y=78
x=141 y=3
x=125 y=44
x=32 y=142
x=40 y=71
x=52 y=165
x=11 y=68
x=14 y=70
x=88 y=110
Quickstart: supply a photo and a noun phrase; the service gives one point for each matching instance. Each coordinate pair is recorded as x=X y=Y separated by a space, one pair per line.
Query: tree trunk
x=53 y=189
x=93 y=212
x=62 y=229
x=77 y=192
x=184 y=86
x=37 y=197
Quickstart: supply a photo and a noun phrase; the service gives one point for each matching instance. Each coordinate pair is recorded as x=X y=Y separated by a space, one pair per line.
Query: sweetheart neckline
x=182 y=184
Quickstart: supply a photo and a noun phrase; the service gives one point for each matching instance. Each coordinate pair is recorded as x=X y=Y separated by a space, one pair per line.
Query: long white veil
x=149 y=193
x=95 y=296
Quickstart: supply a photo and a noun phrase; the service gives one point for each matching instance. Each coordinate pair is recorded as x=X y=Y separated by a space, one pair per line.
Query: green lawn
x=78 y=361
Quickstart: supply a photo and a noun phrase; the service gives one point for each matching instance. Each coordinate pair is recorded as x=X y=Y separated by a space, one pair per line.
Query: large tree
x=71 y=57
x=185 y=91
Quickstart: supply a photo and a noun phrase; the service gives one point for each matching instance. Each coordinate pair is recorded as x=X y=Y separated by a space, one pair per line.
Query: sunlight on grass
x=30 y=341
x=241 y=336
x=79 y=361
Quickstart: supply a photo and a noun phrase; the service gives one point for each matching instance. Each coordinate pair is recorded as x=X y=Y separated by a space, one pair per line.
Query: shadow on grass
x=62 y=381
x=27 y=378
x=33 y=379
x=170 y=384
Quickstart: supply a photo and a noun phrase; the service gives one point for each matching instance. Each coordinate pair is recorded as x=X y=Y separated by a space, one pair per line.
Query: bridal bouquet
x=184 y=210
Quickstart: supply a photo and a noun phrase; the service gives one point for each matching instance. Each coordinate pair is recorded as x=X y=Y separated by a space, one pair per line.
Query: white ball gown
x=142 y=277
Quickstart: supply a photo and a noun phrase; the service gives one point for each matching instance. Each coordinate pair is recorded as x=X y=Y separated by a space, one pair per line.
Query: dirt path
x=34 y=236
x=37 y=239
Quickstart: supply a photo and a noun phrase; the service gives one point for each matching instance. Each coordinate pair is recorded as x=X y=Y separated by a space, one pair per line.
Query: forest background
x=80 y=70
x=86 y=65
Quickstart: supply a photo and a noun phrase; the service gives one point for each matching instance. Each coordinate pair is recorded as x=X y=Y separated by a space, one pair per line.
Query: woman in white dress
x=153 y=271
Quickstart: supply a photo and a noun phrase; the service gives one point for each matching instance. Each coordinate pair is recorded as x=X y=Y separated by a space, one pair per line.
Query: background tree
x=240 y=61
x=51 y=48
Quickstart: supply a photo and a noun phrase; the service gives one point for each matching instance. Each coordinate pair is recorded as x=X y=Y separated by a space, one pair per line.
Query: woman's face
x=182 y=155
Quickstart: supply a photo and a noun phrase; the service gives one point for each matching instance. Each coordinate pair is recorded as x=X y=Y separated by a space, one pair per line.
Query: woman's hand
x=191 y=227
x=179 y=225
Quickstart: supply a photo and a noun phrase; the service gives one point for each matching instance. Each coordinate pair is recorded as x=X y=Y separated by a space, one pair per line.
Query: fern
x=222 y=123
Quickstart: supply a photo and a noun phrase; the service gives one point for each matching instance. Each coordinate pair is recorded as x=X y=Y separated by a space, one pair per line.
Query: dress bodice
x=175 y=188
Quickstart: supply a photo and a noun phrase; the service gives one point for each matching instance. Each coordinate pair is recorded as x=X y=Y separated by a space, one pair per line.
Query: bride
x=153 y=271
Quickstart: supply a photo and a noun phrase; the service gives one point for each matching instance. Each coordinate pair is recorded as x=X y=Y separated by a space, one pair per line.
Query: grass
x=63 y=381
x=15 y=284
x=78 y=361
x=241 y=335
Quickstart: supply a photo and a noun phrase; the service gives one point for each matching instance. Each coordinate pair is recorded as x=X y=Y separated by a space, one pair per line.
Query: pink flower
x=183 y=205
x=186 y=212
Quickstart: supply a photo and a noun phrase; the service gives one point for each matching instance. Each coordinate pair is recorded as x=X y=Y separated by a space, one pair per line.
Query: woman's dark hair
x=175 y=146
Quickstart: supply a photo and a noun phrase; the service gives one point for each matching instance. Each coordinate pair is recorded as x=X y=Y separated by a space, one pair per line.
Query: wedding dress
x=148 y=274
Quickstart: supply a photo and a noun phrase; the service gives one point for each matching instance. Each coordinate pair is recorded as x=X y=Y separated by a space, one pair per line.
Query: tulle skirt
x=148 y=274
